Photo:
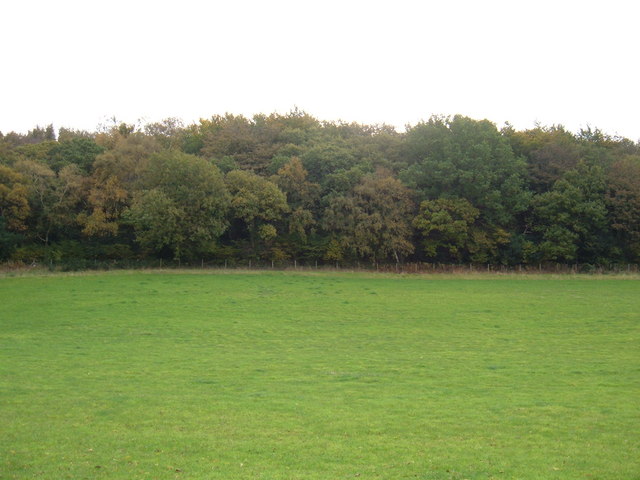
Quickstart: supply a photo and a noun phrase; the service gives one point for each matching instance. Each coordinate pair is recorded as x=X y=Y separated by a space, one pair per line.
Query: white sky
x=76 y=63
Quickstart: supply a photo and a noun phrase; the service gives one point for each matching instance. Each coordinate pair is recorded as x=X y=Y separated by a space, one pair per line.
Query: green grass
x=327 y=376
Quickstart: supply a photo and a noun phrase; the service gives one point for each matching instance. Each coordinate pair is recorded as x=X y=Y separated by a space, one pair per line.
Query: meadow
x=246 y=375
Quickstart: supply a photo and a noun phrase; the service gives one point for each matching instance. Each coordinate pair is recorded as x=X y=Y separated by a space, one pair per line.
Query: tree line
x=291 y=187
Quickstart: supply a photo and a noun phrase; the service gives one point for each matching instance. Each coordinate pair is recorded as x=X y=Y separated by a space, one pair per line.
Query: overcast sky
x=76 y=63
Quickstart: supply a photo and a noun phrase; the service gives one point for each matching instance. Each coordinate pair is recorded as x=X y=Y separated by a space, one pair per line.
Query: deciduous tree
x=181 y=203
x=623 y=202
x=373 y=221
x=571 y=219
x=446 y=226
x=256 y=202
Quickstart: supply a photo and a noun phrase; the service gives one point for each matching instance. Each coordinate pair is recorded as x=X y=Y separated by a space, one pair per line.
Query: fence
x=430 y=268
x=401 y=268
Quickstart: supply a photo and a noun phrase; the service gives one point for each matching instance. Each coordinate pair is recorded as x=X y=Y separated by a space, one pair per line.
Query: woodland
x=290 y=187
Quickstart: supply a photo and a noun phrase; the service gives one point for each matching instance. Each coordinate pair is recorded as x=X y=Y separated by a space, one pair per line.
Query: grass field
x=319 y=376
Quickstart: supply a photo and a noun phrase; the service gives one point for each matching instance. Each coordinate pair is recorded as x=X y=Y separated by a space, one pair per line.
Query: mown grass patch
x=318 y=376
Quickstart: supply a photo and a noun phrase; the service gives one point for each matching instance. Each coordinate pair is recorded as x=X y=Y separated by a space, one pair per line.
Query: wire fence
x=295 y=265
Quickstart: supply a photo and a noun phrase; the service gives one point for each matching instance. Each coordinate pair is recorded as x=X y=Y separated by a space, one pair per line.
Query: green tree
x=446 y=226
x=125 y=157
x=68 y=134
x=464 y=158
x=181 y=203
x=78 y=151
x=452 y=231
x=372 y=221
x=550 y=152
x=250 y=142
x=14 y=199
x=469 y=159
x=8 y=240
x=169 y=133
x=326 y=158
x=302 y=197
x=623 y=202
x=37 y=152
x=116 y=175
x=256 y=202
x=55 y=199
x=7 y=152
x=571 y=219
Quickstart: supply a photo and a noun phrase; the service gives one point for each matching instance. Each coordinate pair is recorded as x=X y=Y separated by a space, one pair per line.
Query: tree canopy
x=448 y=189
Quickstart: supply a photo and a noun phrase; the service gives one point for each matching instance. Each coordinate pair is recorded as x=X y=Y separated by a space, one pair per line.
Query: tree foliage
x=571 y=218
x=278 y=186
x=14 y=199
x=446 y=225
x=181 y=204
x=373 y=221
x=257 y=202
